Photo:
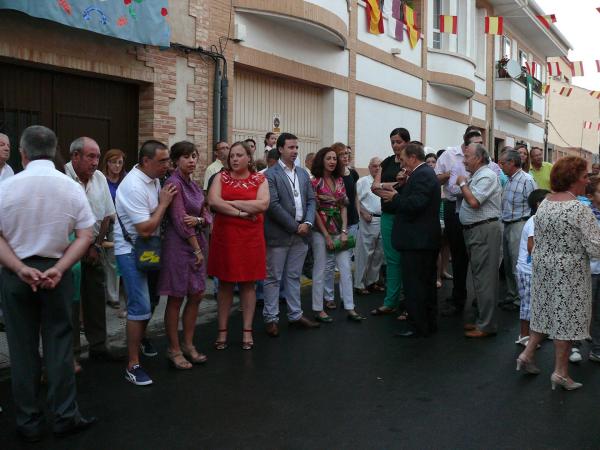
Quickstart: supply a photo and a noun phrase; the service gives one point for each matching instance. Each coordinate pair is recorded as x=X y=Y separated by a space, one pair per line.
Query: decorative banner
x=598 y=126
x=374 y=17
x=494 y=25
x=576 y=68
x=413 y=36
x=547 y=20
x=409 y=16
x=598 y=65
x=397 y=9
x=398 y=30
x=565 y=91
x=141 y=21
x=554 y=69
x=448 y=24
x=531 y=68
x=587 y=125
x=545 y=89
x=595 y=94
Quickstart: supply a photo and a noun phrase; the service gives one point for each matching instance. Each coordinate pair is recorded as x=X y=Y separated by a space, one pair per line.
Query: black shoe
x=76 y=426
x=509 y=306
x=30 y=436
x=147 y=348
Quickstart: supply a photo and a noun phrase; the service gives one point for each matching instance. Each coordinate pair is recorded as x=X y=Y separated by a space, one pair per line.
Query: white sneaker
x=522 y=340
x=575 y=355
x=594 y=357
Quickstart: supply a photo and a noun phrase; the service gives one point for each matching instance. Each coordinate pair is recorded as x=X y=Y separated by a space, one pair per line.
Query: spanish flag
x=374 y=17
x=595 y=94
x=565 y=91
x=547 y=20
x=448 y=24
x=409 y=15
x=494 y=25
x=413 y=36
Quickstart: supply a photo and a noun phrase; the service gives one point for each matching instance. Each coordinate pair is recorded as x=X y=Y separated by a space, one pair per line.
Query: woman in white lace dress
x=566 y=236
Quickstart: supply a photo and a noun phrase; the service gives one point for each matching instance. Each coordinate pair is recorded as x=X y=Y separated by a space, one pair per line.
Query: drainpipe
x=217 y=103
x=224 y=102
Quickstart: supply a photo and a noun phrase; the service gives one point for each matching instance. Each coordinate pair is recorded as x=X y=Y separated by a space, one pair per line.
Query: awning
x=141 y=21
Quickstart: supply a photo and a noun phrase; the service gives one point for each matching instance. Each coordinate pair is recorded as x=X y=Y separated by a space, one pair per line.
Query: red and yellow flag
x=374 y=17
x=409 y=16
x=545 y=89
x=448 y=24
x=565 y=91
x=595 y=94
x=413 y=36
x=554 y=69
x=547 y=20
x=494 y=25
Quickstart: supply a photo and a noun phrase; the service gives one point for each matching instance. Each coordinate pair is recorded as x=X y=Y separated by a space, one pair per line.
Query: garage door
x=258 y=97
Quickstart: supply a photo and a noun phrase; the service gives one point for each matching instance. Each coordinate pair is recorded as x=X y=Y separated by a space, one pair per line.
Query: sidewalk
x=116 y=326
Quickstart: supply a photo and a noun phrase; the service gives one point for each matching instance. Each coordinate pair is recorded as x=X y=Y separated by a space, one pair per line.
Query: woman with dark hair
x=386 y=180
x=524 y=153
x=239 y=195
x=270 y=142
x=183 y=270
x=566 y=236
x=252 y=143
x=330 y=237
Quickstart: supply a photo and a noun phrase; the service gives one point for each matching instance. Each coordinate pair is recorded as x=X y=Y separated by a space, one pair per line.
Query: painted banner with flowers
x=141 y=21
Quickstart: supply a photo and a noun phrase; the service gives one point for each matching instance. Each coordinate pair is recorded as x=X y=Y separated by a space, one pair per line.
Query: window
x=522 y=58
x=506 y=47
x=437 y=36
x=538 y=71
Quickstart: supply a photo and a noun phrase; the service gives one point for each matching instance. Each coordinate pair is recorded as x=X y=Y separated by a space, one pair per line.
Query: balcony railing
x=522 y=78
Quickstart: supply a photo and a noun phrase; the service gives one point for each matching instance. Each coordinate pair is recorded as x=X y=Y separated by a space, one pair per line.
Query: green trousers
x=393 y=262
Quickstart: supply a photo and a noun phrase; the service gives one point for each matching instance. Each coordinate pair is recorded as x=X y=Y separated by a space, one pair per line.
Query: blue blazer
x=280 y=218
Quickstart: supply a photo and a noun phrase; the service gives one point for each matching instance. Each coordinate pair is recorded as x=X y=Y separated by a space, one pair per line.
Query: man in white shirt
x=368 y=254
x=5 y=170
x=39 y=208
x=221 y=153
x=141 y=205
x=85 y=156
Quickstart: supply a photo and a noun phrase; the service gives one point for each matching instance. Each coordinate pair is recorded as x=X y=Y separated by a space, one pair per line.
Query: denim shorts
x=136 y=287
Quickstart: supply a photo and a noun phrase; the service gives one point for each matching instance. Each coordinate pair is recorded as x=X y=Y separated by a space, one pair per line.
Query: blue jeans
x=137 y=286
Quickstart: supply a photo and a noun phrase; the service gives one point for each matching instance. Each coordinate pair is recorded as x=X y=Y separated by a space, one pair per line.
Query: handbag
x=146 y=250
x=337 y=244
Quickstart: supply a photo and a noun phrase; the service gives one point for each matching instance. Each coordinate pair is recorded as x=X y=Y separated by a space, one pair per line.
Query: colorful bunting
x=448 y=24
x=554 y=69
x=565 y=91
x=409 y=16
x=545 y=89
x=598 y=65
x=374 y=17
x=531 y=68
x=576 y=68
x=587 y=125
x=413 y=36
x=397 y=9
x=598 y=128
x=547 y=20
x=399 y=30
x=595 y=94
x=494 y=25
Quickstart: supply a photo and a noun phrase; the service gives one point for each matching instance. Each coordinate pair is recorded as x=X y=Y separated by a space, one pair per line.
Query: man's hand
x=344 y=239
x=443 y=177
x=166 y=194
x=31 y=276
x=303 y=229
x=92 y=256
x=367 y=217
x=387 y=195
x=51 y=278
x=460 y=179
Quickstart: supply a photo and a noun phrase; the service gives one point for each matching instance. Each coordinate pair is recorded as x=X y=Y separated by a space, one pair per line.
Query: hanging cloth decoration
x=374 y=17
x=576 y=68
x=598 y=65
x=397 y=9
x=547 y=20
x=529 y=93
x=494 y=25
x=565 y=91
x=587 y=125
x=554 y=69
x=545 y=89
x=448 y=24
x=410 y=19
x=595 y=94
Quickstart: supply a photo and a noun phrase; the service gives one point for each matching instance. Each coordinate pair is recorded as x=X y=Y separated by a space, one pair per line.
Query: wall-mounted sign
x=276 y=125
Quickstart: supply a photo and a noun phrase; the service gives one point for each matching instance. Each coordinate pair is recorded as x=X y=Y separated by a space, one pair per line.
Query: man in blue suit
x=288 y=224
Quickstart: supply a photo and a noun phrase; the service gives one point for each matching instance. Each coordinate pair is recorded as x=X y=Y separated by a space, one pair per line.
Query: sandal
x=193 y=355
x=221 y=345
x=355 y=317
x=247 y=345
x=363 y=291
x=323 y=319
x=330 y=304
x=177 y=360
x=377 y=288
x=383 y=311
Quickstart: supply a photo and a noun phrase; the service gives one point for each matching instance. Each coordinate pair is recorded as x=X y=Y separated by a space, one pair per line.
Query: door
x=259 y=97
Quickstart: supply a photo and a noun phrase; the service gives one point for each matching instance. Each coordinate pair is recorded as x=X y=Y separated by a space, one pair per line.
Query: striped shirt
x=515 y=195
x=485 y=187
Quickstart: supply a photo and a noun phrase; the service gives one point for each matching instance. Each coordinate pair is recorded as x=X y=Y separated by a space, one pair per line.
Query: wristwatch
x=344 y=231
x=464 y=183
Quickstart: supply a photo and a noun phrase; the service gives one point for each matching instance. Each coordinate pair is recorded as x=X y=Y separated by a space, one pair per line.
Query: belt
x=376 y=215
x=508 y=222
x=482 y=222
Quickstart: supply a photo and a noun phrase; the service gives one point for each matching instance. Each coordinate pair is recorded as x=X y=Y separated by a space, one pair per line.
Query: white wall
x=479 y=110
x=509 y=89
x=442 y=97
x=337 y=7
x=480 y=86
x=386 y=77
x=514 y=127
x=386 y=42
x=180 y=107
x=271 y=37
x=335 y=116
x=442 y=133
x=374 y=122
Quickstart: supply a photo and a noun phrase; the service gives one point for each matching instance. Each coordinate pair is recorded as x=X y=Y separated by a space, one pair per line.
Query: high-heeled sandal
x=247 y=345
x=565 y=383
x=527 y=366
x=178 y=361
x=221 y=345
x=193 y=355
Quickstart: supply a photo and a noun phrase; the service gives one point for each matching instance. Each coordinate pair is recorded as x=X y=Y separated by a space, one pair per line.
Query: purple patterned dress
x=179 y=275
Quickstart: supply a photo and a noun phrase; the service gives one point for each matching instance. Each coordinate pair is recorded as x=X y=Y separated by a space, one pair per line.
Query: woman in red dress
x=239 y=196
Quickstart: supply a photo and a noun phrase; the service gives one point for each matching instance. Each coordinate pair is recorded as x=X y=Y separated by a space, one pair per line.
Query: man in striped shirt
x=515 y=212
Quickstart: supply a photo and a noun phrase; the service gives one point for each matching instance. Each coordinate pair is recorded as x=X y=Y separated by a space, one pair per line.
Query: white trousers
x=368 y=254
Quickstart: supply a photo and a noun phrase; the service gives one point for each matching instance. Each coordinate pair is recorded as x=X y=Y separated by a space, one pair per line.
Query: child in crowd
x=524 y=265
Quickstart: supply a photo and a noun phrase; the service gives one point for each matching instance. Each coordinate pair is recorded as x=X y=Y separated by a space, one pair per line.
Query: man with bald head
x=5 y=170
x=85 y=156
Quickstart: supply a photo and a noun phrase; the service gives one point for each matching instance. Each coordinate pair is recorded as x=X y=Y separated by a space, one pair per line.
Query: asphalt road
x=343 y=386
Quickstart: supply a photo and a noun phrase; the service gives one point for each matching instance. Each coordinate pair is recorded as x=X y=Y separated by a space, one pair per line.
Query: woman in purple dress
x=183 y=269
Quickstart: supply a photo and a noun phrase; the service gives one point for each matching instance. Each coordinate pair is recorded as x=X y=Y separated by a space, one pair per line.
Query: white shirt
x=136 y=200
x=39 y=208
x=215 y=167
x=6 y=172
x=367 y=199
x=524 y=261
x=97 y=193
x=295 y=187
x=451 y=159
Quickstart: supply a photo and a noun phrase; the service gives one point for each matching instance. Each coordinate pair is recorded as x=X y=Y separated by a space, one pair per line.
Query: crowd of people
x=69 y=240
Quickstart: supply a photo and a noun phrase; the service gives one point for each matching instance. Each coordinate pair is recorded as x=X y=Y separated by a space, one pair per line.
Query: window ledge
x=454 y=54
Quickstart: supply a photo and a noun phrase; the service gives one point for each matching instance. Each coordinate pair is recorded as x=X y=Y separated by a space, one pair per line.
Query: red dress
x=237 y=246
